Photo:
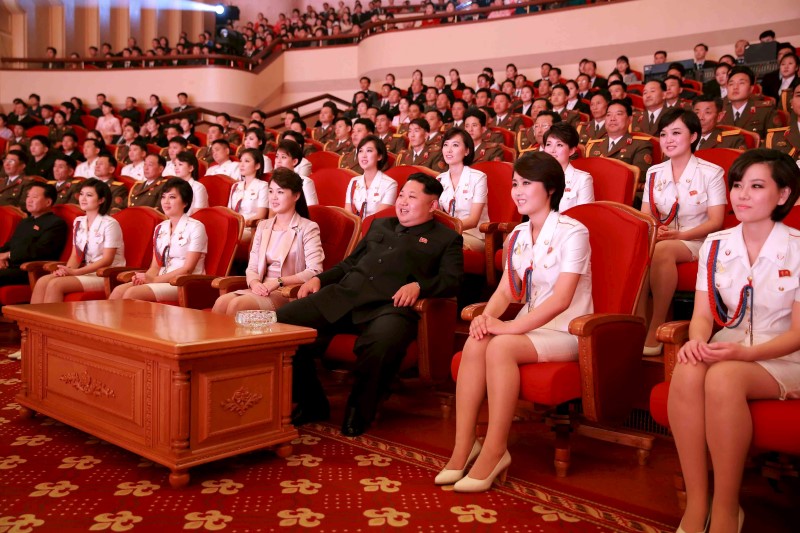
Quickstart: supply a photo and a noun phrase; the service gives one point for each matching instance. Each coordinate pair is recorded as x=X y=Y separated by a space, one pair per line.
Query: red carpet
x=55 y=478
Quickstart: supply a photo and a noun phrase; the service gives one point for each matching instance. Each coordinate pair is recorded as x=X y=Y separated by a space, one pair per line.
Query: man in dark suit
x=372 y=293
x=39 y=237
x=700 y=61
x=598 y=82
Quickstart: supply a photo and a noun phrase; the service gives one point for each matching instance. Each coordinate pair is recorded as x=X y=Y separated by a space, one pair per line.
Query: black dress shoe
x=354 y=424
x=304 y=414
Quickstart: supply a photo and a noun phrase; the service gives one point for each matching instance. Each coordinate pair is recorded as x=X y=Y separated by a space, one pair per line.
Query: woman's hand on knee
x=691 y=352
x=724 y=351
x=665 y=233
x=477 y=328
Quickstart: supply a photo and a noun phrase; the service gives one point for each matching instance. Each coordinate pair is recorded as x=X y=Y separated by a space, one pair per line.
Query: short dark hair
x=430 y=185
x=660 y=52
x=190 y=159
x=677 y=66
x=183 y=189
x=741 y=69
x=103 y=193
x=162 y=162
x=475 y=113
x=298 y=137
x=383 y=154
x=344 y=119
x=67 y=159
x=620 y=83
x=661 y=84
x=497 y=95
x=112 y=162
x=465 y=138
x=71 y=135
x=258 y=159
x=177 y=139
x=766 y=33
x=21 y=156
x=215 y=126
x=543 y=167
x=222 y=115
x=552 y=114
x=294 y=150
x=330 y=105
x=183 y=94
x=560 y=86
x=286 y=178
x=624 y=102
x=783 y=169
x=367 y=123
x=50 y=191
x=141 y=144
x=687 y=116
x=42 y=139
x=564 y=132
x=704 y=45
x=547 y=103
x=716 y=100
x=422 y=123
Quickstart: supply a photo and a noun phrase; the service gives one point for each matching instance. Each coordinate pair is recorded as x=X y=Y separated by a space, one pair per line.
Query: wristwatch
x=280 y=282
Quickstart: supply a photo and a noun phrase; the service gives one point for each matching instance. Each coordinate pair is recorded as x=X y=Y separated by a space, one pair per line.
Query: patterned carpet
x=55 y=478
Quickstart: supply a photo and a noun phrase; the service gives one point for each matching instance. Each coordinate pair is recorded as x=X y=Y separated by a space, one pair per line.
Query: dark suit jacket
x=711 y=87
x=600 y=83
x=387 y=258
x=43 y=168
x=37 y=239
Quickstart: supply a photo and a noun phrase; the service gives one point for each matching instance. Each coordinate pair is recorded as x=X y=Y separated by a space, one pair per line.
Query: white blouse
x=472 y=188
x=365 y=202
x=199 y=196
x=700 y=186
x=228 y=168
x=776 y=278
x=247 y=199
x=562 y=246
x=90 y=243
x=578 y=188
x=171 y=249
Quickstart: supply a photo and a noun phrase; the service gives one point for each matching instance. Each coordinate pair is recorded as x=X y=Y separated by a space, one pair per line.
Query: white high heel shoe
x=448 y=477
x=705 y=529
x=469 y=484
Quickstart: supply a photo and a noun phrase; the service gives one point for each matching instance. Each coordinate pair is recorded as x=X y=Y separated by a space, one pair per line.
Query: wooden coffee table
x=178 y=386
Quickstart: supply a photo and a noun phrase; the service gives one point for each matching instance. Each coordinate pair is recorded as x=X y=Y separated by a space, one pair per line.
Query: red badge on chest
x=784 y=273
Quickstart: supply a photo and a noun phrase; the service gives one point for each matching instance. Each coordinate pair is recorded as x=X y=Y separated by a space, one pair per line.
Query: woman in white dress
x=372 y=191
x=249 y=197
x=548 y=268
x=289 y=155
x=751 y=270
x=187 y=168
x=180 y=244
x=257 y=139
x=286 y=249
x=686 y=195
x=561 y=141
x=465 y=189
x=96 y=243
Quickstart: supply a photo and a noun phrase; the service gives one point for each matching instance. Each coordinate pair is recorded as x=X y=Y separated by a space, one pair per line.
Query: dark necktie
x=736 y=116
x=651 y=121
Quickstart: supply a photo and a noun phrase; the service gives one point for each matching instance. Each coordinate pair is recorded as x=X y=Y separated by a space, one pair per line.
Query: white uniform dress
x=363 y=202
x=578 y=189
x=85 y=169
x=199 y=196
x=228 y=168
x=171 y=250
x=134 y=171
x=90 y=245
x=776 y=276
x=700 y=187
x=472 y=188
x=562 y=246
x=247 y=199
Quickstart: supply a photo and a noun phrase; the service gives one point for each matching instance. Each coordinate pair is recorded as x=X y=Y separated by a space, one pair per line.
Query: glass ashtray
x=256 y=319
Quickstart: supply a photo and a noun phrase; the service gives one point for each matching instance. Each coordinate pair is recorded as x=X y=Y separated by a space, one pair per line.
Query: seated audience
x=341 y=143
x=148 y=191
x=619 y=144
x=221 y=152
x=69 y=147
x=249 y=195
x=290 y=155
x=709 y=109
x=653 y=95
x=532 y=139
x=686 y=195
x=561 y=141
x=465 y=190
x=63 y=168
x=378 y=310
x=180 y=244
x=136 y=154
x=373 y=190
x=256 y=138
x=286 y=249
x=504 y=118
x=741 y=109
x=394 y=142
x=787 y=139
x=41 y=161
x=361 y=128
x=104 y=171
x=108 y=125
x=475 y=126
x=558 y=99
x=187 y=169
x=495 y=348
x=14 y=187
x=418 y=151
x=96 y=243
x=754 y=356
x=91 y=149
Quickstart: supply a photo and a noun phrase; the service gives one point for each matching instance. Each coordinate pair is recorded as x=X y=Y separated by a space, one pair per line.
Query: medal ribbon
x=672 y=212
x=718 y=310
x=524 y=287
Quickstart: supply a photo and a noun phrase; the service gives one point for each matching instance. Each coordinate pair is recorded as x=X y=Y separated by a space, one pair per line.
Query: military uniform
x=510 y=122
x=232 y=136
x=204 y=154
x=119 y=194
x=64 y=190
x=571 y=117
x=323 y=135
x=436 y=142
x=14 y=193
x=394 y=143
x=526 y=141
x=635 y=150
x=488 y=152
x=57 y=133
x=339 y=147
x=350 y=161
x=588 y=132
x=786 y=139
x=147 y=194
x=723 y=139
x=641 y=121
x=496 y=137
x=427 y=158
x=757 y=117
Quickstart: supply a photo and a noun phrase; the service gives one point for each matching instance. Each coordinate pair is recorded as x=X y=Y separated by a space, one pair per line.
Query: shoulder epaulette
x=777 y=130
x=117 y=183
x=728 y=133
x=592 y=142
x=640 y=138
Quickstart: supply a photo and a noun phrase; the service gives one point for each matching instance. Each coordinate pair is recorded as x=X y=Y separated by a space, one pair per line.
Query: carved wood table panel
x=178 y=386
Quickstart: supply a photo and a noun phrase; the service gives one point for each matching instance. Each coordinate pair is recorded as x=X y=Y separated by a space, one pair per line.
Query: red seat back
x=219 y=188
x=400 y=174
x=10 y=216
x=224 y=229
x=793 y=218
x=69 y=212
x=128 y=182
x=636 y=101
x=622 y=240
x=613 y=182
x=723 y=157
x=751 y=139
x=320 y=160
x=508 y=135
x=339 y=232
x=500 y=206
x=331 y=185
x=201 y=136
x=138 y=225
x=37 y=130
x=89 y=121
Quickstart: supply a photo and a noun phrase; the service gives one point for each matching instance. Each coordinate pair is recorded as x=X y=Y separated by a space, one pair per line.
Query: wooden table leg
x=178 y=479
x=283 y=450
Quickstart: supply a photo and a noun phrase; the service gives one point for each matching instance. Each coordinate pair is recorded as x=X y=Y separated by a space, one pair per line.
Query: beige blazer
x=302 y=255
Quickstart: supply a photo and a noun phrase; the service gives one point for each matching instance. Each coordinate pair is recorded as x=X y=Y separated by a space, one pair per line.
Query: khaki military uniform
x=204 y=154
x=119 y=194
x=756 y=116
x=323 y=135
x=510 y=122
x=723 y=139
x=427 y=158
x=14 y=193
x=232 y=136
x=786 y=139
x=122 y=154
x=641 y=121
x=339 y=147
x=144 y=195
x=588 y=132
x=526 y=141
x=64 y=190
x=632 y=149
x=394 y=143
x=350 y=161
x=571 y=117
x=488 y=152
